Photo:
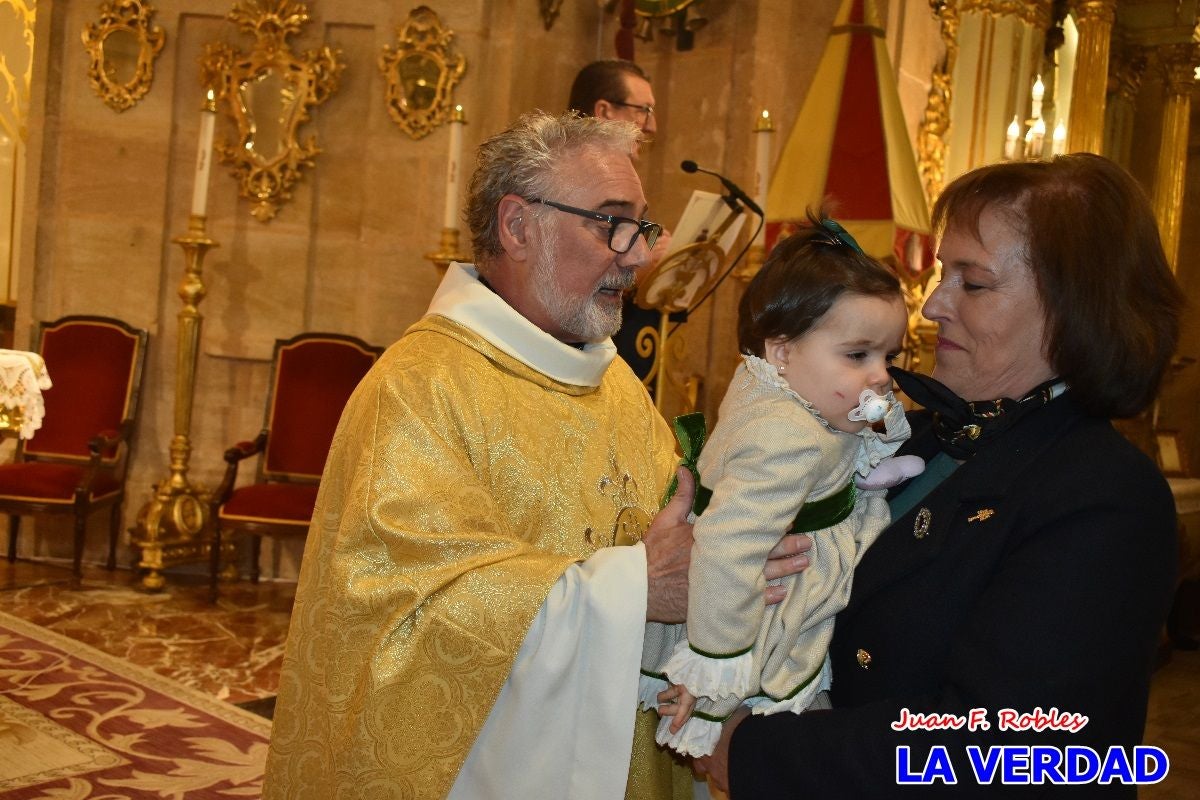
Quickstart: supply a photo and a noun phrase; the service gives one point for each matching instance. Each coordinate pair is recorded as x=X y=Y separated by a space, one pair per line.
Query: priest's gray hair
x=524 y=160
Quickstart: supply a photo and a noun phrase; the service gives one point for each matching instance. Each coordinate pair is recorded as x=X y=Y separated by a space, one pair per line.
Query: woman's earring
x=780 y=370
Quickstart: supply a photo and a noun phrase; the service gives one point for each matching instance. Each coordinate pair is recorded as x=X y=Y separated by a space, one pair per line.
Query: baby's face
x=847 y=350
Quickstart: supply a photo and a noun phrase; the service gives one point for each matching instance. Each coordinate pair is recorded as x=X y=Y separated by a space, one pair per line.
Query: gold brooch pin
x=922 y=522
x=982 y=515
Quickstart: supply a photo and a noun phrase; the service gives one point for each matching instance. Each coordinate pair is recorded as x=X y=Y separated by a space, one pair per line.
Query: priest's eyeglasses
x=623 y=231
x=645 y=111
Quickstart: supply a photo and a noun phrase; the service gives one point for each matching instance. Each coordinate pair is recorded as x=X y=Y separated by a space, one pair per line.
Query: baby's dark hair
x=801 y=279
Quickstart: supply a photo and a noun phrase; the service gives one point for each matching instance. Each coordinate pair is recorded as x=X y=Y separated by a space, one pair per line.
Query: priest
x=485 y=549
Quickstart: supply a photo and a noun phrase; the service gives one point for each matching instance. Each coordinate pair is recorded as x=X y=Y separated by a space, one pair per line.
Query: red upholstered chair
x=312 y=377
x=76 y=462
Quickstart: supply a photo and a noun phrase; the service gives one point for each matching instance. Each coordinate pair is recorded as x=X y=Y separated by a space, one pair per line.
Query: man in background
x=617 y=89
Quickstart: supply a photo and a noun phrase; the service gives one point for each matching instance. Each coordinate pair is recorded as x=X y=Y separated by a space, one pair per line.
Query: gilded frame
x=423 y=48
x=549 y=9
x=131 y=17
x=266 y=174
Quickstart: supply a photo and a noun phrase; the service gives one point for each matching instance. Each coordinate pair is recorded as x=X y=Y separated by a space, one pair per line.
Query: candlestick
x=764 y=130
x=1010 y=140
x=208 y=119
x=172 y=525
x=1034 y=138
x=453 y=173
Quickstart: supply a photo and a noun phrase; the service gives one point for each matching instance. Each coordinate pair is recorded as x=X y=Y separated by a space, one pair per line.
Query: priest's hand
x=788 y=557
x=668 y=543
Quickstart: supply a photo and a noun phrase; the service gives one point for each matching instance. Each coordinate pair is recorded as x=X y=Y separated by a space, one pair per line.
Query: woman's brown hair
x=1112 y=305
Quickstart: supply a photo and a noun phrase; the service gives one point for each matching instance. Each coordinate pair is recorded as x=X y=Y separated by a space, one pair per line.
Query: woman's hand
x=716 y=766
x=786 y=558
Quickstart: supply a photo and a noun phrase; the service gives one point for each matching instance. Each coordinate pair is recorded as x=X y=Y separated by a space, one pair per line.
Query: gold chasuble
x=462 y=481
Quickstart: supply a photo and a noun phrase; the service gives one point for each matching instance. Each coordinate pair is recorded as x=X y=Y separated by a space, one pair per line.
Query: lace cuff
x=715 y=678
x=648 y=688
x=698 y=737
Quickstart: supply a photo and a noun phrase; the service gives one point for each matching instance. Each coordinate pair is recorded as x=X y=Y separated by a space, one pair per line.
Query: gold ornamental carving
x=420 y=73
x=122 y=48
x=549 y=9
x=935 y=123
x=1127 y=70
x=17 y=19
x=268 y=93
x=1035 y=14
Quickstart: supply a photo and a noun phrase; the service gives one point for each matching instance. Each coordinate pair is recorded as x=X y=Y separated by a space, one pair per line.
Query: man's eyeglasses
x=623 y=231
x=646 y=111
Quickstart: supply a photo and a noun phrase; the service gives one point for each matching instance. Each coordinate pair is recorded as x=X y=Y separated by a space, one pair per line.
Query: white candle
x=1058 y=144
x=1039 y=92
x=453 y=173
x=1010 y=140
x=764 y=131
x=208 y=119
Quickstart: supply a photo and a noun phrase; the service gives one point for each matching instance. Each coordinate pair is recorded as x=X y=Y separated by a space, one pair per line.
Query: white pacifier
x=871 y=407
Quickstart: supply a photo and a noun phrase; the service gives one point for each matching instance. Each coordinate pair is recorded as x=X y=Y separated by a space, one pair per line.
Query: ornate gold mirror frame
x=421 y=73
x=122 y=47
x=268 y=92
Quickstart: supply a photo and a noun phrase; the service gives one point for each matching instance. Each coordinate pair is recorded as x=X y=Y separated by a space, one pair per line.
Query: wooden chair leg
x=214 y=568
x=114 y=530
x=14 y=527
x=80 y=530
x=255 y=550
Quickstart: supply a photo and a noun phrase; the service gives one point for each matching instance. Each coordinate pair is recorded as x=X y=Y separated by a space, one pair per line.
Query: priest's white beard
x=580 y=316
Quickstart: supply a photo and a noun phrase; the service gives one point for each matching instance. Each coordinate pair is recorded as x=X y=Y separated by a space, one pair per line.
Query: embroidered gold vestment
x=461 y=483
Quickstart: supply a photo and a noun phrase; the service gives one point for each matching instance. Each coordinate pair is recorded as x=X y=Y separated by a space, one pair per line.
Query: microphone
x=731 y=187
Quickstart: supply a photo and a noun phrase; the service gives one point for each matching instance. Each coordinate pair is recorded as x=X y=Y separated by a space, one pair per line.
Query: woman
x=1030 y=568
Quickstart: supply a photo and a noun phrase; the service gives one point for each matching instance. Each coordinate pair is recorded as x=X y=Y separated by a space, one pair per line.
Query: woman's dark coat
x=1042 y=581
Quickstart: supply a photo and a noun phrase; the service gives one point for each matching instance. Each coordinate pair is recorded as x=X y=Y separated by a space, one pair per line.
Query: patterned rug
x=76 y=723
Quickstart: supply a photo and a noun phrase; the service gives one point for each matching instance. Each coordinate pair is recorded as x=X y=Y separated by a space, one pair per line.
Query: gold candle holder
x=171 y=525
x=447 y=251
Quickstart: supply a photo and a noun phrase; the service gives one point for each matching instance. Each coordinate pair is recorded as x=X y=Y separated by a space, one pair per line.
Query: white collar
x=461 y=297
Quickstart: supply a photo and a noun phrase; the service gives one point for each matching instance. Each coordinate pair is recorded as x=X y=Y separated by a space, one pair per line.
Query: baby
x=817 y=327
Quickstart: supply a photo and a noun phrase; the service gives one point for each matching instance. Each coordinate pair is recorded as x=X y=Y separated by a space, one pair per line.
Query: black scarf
x=964 y=427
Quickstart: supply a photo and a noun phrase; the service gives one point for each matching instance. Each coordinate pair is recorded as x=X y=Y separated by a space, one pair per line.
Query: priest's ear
x=513 y=216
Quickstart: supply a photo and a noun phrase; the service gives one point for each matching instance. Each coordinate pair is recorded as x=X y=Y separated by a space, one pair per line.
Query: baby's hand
x=676 y=701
